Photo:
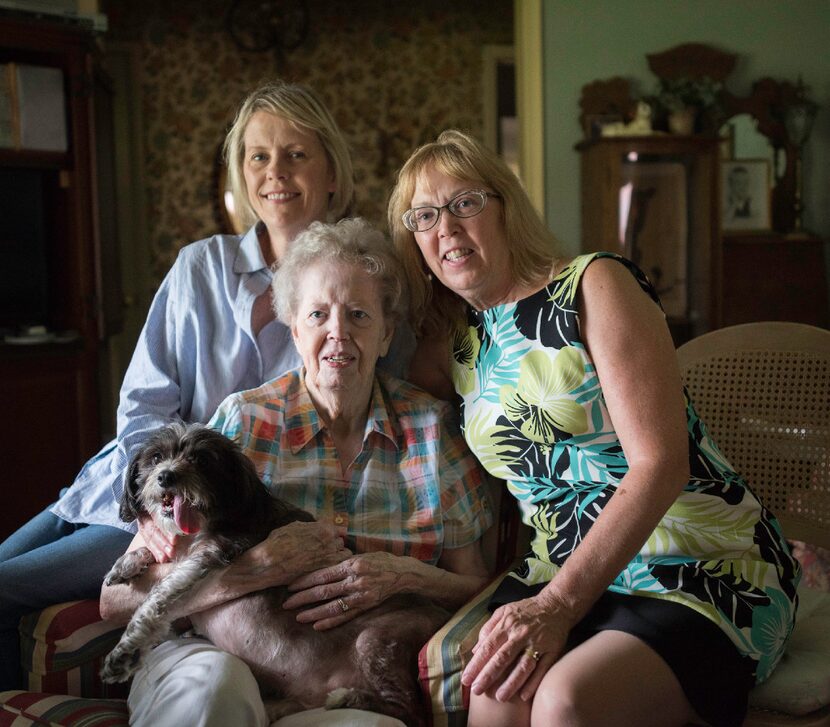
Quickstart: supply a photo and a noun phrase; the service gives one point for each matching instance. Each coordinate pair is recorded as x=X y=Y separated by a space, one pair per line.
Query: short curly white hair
x=353 y=242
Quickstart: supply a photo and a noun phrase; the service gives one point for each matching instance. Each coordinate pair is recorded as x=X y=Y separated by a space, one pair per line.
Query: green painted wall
x=585 y=40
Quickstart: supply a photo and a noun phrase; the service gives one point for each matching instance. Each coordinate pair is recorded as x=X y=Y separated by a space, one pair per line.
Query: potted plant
x=683 y=99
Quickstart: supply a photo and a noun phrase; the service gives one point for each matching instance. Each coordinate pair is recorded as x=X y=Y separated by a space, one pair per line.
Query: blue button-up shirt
x=197 y=346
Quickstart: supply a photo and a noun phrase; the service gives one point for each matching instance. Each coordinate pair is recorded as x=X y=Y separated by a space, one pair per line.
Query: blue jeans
x=45 y=562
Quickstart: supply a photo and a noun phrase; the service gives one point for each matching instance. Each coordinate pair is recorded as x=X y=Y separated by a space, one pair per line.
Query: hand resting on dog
x=159 y=543
x=362 y=581
x=368 y=579
x=286 y=554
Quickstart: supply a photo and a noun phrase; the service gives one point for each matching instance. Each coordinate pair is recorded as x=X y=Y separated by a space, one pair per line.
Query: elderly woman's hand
x=289 y=552
x=159 y=543
x=347 y=589
x=517 y=646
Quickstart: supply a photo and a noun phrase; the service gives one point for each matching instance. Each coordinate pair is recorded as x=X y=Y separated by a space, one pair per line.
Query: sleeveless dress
x=534 y=414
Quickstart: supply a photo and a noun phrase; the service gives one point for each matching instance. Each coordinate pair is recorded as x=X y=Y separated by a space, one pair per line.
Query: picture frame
x=726 y=147
x=745 y=195
x=501 y=127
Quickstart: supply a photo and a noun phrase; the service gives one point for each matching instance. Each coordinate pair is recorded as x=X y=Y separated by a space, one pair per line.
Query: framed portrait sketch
x=745 y=195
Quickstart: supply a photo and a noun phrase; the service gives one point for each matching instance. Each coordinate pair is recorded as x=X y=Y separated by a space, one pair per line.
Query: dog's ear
x=251 y=492
x=254 y=496
x=129 y=499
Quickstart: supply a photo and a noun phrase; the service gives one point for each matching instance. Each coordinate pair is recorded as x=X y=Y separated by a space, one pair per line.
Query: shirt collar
x=249 y=258
x=303 y=423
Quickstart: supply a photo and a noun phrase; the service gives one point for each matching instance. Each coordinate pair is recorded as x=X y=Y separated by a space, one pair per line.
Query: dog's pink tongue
x=185 y=515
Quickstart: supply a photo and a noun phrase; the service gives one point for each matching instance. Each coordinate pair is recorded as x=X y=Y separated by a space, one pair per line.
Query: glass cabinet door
x=654 y=200
x=654 y=225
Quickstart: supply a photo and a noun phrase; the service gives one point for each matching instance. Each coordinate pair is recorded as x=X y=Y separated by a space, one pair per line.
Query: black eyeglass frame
x=484 y=194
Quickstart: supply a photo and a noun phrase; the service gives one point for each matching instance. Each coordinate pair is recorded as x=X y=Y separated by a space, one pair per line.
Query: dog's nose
x=166 y=478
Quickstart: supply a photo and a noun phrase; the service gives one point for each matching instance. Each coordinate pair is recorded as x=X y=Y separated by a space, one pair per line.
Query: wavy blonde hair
x=303 y=108
x=532 y=247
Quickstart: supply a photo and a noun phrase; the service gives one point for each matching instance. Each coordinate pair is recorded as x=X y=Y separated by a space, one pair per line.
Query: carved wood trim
x=767 y=104
x=606 y=97
x=692 y=60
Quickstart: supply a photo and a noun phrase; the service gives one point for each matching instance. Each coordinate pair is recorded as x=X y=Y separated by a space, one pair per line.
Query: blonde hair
x=352 y=242
x=302 y=107
x=532 y=247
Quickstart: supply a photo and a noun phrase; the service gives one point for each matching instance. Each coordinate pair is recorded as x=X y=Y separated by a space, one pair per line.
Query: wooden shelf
x=51 y=349
x=35 y=159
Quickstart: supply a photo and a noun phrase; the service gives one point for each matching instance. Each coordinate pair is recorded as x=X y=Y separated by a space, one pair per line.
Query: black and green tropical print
x=534 y=414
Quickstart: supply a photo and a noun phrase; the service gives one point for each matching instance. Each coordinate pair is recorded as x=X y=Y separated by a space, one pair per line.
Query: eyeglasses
x=466 y=204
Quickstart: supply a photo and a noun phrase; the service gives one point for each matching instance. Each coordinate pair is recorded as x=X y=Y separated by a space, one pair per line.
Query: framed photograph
x=745 y=195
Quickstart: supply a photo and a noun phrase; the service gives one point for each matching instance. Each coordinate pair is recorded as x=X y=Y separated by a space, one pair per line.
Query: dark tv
x=24 y=263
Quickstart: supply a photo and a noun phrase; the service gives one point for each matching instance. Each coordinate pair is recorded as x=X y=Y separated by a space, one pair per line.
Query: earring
x=429 y=277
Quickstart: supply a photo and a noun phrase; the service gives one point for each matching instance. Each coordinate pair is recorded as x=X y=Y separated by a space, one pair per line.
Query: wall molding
x=529 y=53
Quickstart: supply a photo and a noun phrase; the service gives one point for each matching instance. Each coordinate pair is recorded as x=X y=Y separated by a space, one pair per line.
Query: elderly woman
x=210 y=332
x=658 y=590
x=357 y=448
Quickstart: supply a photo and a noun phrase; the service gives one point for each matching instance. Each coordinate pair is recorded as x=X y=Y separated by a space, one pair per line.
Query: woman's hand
x=347 y=589
x=159 y=543
x=517 y=646
x=288 y=553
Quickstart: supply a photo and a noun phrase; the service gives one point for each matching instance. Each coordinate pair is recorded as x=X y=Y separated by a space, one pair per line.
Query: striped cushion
x=62 y=648
x=799 y=685
x=20 y=709
x=444 y=657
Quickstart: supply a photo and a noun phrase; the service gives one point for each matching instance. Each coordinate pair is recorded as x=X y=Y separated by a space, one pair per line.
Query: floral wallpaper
x=393 y=74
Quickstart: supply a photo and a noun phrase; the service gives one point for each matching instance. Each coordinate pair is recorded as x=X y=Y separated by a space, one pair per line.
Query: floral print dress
x=534 y=414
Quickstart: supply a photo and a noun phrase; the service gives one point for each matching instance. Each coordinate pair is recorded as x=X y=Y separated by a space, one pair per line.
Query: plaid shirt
x=413 y=489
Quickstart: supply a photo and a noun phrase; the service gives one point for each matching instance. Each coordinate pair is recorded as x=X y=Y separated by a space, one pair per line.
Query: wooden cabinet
x=653 y=199
x=51 y=236
x=773 y=277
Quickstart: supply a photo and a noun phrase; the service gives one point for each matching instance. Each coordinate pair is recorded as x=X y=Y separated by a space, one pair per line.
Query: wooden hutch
x=658 y=198
x=59 y=253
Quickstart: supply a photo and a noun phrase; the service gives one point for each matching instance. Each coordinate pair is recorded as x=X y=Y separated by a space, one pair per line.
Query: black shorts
x=715 y=677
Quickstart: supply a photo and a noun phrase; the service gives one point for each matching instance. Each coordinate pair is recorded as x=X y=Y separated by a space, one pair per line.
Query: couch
x=781 y=369
x=63 y=647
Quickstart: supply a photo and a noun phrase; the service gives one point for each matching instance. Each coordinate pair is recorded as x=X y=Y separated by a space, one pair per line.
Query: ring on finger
x=343 y=605
x=532 y=653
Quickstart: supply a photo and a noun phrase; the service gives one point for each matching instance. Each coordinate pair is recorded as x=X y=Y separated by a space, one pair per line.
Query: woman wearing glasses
x=657 y=590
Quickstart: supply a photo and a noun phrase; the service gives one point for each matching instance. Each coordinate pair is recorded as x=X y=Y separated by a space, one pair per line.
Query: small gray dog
x=195 y=480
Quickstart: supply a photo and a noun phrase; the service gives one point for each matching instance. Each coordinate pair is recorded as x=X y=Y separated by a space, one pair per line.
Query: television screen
x=24 y=267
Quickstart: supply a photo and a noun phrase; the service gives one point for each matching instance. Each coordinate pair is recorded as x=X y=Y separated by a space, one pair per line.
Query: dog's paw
x=119 y=666
x=114 y=577
x=340 y=697
x=130 y=565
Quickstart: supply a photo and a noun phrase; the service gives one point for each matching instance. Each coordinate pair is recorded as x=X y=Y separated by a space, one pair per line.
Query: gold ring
x=532 y=653
x=343 y=605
